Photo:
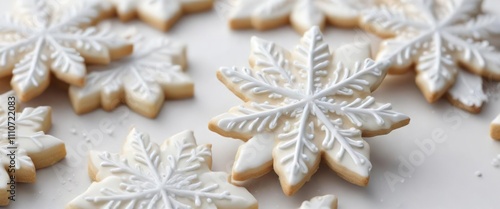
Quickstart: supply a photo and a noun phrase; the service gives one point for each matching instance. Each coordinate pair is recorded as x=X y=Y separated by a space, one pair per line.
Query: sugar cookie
x=174 y=175
x=495 y=128
x=304 y=105
x=40 y=38
x=443 y=39
x=323 y=202
x=161 y=14
x=303 y=14
x=153 y=73
x=32 y=147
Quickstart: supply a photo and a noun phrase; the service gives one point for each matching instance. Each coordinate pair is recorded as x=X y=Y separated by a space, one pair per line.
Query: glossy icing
x=321 y=202
x=34 y=149
x=174 y=175
x=306 y=103
x=303 y=14
x=440 y=37
x=40 y=38
x=143 y=80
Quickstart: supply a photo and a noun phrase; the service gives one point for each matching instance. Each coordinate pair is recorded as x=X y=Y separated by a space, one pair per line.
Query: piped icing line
x=175 y=174
x=302 y=105
x=143 y=80
x=443 y=39
x=33 y=149
x=41 y=38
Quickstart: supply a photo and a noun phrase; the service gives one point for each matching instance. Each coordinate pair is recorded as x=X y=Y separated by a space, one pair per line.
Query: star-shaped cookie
x=305 y=105
x=39 y=38
x=33 y=149
x=161 y=14
x=322 y=202
x=302 y=14
x=174 y=175
x=153 y=73
x=445 y=41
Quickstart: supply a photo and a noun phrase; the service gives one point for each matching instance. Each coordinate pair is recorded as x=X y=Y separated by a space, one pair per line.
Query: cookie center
x=310 y=100
x=43 y=33
x=440 y=26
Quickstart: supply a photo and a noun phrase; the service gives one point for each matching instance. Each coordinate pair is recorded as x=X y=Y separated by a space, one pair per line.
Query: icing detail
x=154 y=67
x=175 y=175
x=437 y=36
x=467 y=82
x=307 y=105
x=322 y=202
x=30 y=141
x=161 y=10
x=43 y=37
x=255 y=151
x=306 y=14
x=303 y=13
x=31 y=124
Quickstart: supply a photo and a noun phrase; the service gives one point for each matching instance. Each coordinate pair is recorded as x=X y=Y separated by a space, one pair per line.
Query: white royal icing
x=468 y=82
x=31 y=124
x=144 y=77
x=175 y=175
x=30 y=141
x=496 y=121
x=308 y=104
x=253 y=153
x=40 y=38
x=303 y=13
x=162 y=10
x=322 y=202
x=440 y=36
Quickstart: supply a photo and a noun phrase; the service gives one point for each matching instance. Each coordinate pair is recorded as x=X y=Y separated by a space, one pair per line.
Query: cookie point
x=315 y=28
x=186 y=133
x=256 y=40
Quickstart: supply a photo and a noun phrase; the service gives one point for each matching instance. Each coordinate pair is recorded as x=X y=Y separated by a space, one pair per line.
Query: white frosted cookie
x=445 y=41
x=495 y=128
x=39 y=38
x=323 y=202
x=105 y=8
x=303 y=14
x=174 y=175
x=304 y=105
x=153 y=73
x=161 y=14
x=32 y=147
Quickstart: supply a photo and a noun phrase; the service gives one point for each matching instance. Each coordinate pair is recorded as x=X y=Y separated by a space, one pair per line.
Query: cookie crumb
x=495 y=162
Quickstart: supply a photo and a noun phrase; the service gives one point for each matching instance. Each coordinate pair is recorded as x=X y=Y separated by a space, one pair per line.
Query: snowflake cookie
x=446 y=41
x=161 y=14
x=174 y=175
x=303 y=14
x=153 y=73
x=304 y=105
x=32 y=148
x=323 y=202
x=495 y=128
x=41 y=37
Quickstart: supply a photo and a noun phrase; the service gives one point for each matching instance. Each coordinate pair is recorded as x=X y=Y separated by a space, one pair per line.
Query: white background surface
x=445 y=178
